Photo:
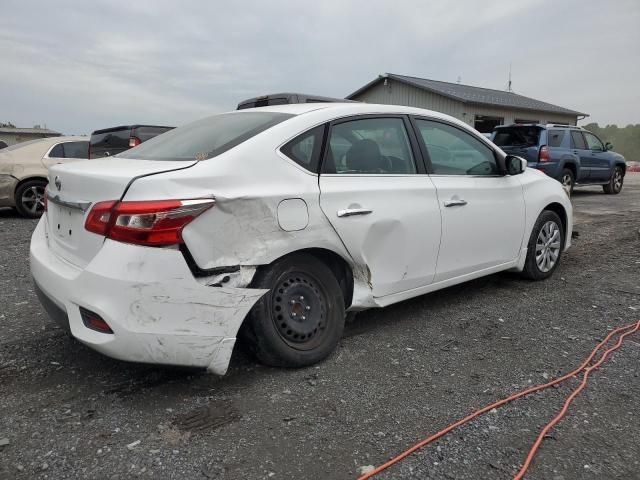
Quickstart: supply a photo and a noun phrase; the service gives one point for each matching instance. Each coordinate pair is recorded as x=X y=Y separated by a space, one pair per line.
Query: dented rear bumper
x=157 y=310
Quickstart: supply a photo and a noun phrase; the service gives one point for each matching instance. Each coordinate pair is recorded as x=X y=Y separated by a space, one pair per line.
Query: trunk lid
x=75 y=188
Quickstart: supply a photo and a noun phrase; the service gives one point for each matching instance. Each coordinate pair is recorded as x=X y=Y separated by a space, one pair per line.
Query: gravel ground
x=398 y=375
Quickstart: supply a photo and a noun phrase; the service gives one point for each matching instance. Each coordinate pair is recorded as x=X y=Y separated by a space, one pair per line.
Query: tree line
x=625 y=140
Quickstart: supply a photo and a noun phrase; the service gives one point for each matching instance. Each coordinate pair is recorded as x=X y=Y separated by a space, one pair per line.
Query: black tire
x=30 y=198
x=614 y=186
x=300 y=320
x=568 y=180
x=532 y=269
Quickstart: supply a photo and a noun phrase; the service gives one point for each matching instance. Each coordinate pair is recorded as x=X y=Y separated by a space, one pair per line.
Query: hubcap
x=567 y=182
x=33 y=200
x=548 y=246
x=299 y=311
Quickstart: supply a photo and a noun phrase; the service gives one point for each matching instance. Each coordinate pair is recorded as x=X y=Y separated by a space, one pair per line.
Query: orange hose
x=631 y=328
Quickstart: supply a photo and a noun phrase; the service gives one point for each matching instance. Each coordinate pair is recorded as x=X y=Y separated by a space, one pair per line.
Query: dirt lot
x=398 y=375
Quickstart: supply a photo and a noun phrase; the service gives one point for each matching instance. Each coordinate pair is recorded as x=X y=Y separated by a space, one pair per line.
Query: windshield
x=517 y=136
x=205 y=138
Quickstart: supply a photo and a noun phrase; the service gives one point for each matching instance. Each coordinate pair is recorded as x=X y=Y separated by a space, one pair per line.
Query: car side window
x=453 y=151
x=555 y=138
x=593 y=142
x=369 y=146
x=76 y=150
x=57 y=151
x=305 y=149
x=577 y=140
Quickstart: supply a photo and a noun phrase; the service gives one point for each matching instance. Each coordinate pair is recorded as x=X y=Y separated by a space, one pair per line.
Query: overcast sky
x=80 y=66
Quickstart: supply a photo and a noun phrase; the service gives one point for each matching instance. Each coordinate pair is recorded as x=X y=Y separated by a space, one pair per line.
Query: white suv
x=278 y=220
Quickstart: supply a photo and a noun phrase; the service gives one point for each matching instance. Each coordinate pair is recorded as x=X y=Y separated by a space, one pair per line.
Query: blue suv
x=571 y=155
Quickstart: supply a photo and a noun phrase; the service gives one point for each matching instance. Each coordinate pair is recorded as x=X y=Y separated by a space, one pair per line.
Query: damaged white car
x=278 y=220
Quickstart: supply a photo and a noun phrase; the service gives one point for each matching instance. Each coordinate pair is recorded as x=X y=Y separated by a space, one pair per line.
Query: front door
x=599 y=158
x=483 y=212
x=381 y=202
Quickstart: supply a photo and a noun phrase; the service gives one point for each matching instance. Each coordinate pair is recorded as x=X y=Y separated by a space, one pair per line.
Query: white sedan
x=275 y=221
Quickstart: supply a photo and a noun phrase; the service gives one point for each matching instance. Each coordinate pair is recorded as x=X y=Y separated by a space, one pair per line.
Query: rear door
x=483 y=211
x=579 y=148
x=375 y=193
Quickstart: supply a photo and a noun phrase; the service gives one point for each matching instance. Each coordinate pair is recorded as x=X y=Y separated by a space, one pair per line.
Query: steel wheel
x=299 y=311
x=548 y=246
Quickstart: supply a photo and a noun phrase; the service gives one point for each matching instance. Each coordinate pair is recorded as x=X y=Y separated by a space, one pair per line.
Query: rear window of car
x=555 y=138
x=206 y=138
x=517 y=137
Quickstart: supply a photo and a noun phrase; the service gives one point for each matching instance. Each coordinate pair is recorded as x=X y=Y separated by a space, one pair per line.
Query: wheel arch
x=562 y=213
x=28 y=179
x=340 y=268
x=571 y=164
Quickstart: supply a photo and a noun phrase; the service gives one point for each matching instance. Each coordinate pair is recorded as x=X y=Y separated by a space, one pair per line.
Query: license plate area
x=65 y=224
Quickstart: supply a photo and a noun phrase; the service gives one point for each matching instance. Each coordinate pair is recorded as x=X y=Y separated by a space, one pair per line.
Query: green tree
x=7 y=125
x=625 y=140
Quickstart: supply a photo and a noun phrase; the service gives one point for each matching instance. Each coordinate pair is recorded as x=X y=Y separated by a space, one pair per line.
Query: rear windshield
x=205 y=138
x=517 y=137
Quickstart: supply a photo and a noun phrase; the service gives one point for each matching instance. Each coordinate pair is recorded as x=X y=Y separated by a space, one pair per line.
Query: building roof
x=471 y=94
x=39 y=131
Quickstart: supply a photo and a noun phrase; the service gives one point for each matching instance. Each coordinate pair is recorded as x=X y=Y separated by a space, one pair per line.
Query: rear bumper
x=158 y=312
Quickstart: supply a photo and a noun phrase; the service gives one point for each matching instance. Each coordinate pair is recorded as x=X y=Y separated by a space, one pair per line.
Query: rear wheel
x=30 y=198
x=545 y=247
x=568 y=180
x=300 y=320
x=615 y=182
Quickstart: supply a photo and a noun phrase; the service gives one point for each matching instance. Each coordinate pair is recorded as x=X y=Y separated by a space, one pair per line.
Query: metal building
x=482 y=108
x=10 y=136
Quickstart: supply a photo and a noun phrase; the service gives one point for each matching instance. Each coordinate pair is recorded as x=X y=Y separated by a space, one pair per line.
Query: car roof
x=338 y=109
x=40 y=146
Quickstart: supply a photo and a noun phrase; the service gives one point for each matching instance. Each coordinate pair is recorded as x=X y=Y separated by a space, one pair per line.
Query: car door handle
x=350 y=212
x=454 y=203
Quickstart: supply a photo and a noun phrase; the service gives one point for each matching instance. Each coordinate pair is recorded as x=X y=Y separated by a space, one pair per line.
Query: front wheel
x=30 y=198
x=615 y=182
x=300 y=320
x=545 y=247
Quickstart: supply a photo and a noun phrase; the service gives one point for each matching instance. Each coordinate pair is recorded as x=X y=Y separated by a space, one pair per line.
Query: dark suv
x=571 y=155
x=286 y=98
x=111 y=141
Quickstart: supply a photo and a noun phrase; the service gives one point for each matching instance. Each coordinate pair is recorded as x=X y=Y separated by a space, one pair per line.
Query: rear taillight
x=134 y=142
x=544 y=155
x=154 y=223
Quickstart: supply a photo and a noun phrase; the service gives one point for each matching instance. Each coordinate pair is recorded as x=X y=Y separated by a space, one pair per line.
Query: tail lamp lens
x=544 y=155
x=134 y=142
x=153 y=223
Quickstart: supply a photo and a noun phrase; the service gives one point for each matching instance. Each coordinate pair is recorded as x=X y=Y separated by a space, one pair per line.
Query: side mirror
x=608 y=146
x=515 y=165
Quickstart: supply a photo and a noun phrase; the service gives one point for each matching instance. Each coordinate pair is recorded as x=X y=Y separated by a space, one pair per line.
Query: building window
x=522 y=120
x=486 y=124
